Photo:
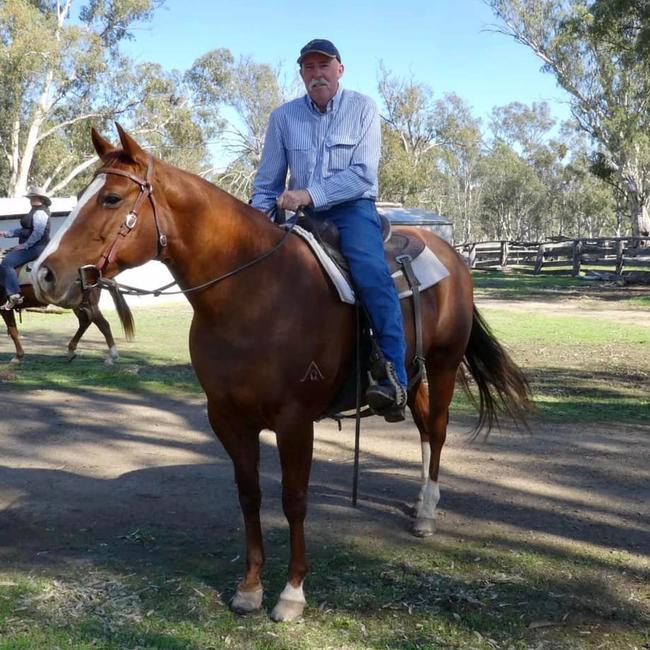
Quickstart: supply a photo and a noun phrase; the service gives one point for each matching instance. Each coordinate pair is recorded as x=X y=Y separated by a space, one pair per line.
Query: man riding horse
x=33 y=236
x=330 y=142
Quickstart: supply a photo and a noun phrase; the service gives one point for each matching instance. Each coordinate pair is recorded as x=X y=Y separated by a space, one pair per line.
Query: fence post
x=620 y=247
x=471 y=257
x=539 y=259
x=577 y=252
x=503 y=257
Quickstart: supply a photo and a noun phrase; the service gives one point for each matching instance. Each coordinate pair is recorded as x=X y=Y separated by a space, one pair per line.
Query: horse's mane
x=221 y=196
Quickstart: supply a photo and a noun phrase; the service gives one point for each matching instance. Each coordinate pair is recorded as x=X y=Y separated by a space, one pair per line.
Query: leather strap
x=414 y=284
x=131 y=219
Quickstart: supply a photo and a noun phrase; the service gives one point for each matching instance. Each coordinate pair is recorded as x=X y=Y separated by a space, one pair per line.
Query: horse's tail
x=123 y=311
x=502 y=386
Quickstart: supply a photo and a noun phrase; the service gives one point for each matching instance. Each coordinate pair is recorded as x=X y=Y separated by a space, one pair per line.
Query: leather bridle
x=91 y=274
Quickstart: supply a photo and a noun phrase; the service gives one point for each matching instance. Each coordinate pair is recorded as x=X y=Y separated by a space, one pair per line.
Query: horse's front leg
x=243 y=447
x=295 y=444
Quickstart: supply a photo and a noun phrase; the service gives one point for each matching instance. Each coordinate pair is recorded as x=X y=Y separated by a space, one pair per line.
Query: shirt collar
x=332 y=105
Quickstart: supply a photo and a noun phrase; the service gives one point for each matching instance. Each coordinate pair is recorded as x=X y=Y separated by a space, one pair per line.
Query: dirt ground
x=81 y=466
x=80 y=469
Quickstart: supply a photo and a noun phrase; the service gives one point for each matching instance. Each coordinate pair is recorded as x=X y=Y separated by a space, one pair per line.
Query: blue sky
x=445 y=44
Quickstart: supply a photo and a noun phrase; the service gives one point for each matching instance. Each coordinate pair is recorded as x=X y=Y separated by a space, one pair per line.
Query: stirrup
x=12 y=301
x=388 y=398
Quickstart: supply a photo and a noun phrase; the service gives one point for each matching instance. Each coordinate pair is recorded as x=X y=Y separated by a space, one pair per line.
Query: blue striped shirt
x=333 y=155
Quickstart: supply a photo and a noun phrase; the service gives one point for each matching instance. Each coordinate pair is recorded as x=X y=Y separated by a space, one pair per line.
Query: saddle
x=396 y=245
x=369 y=365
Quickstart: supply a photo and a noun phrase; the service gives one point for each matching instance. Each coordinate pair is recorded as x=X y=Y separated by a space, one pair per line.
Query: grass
x=157 y=361
x=159 y=588
x=364 y=594
x=549 y=287
x=580 y=366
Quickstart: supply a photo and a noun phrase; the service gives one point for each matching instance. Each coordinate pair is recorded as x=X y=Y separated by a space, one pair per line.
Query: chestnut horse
x=87 y=313
x=264 y=315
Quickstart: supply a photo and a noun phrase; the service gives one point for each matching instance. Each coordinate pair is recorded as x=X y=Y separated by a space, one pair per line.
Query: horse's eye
x=110 y=200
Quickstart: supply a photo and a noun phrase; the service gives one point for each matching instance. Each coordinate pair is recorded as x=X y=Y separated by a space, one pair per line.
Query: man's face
x=321 y=74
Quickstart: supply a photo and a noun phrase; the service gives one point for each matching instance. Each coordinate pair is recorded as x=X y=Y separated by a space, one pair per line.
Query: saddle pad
x=428 y=270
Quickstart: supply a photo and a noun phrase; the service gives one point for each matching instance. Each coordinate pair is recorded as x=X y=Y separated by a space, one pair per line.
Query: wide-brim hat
x=37 y=191
x=320 y=46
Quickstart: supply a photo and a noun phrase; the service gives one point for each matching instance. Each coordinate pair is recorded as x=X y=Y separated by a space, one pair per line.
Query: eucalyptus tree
x=520 y=136
x=512 y=196
x=58 y=72
x=461 y=145
x=609 y=89
x=249 y=92
x=408 y=171
x=588 y=206
x=429 y=150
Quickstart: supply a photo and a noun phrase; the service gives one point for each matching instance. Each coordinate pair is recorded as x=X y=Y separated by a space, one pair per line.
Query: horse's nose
x=45 y=279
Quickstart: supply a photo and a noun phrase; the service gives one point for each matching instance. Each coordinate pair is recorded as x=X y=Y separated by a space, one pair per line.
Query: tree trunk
x=640 y=216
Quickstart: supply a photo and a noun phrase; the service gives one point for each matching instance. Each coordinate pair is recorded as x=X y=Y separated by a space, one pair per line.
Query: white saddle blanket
x=428 y=269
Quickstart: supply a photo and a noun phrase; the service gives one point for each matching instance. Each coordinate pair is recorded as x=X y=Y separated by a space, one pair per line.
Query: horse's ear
x=131 y=148
x=102 y=146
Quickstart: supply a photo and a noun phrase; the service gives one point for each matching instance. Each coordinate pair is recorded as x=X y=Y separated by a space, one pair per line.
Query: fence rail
x=624 y=257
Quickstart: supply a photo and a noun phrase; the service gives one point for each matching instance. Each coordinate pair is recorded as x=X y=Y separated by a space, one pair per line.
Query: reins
x=91 y=275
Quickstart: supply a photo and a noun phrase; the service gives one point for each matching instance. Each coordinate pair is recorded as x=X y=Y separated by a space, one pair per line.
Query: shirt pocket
x=339 y=148
x=299 y=155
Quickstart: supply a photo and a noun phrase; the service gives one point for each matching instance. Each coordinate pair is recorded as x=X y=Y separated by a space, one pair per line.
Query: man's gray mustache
x=315 y=83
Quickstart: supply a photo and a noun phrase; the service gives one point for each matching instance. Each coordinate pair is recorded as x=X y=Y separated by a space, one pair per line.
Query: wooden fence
x=622 y=257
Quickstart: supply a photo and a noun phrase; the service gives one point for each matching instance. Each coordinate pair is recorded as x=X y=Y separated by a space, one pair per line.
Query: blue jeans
x=12 y=259
x=363 y=248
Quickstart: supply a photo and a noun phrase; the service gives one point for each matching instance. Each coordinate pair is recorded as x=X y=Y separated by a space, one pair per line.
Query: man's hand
x=3 y=233
x=293 y=200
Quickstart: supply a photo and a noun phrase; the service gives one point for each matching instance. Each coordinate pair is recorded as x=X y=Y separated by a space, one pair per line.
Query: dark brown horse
x=87 y=313
x=256 y=334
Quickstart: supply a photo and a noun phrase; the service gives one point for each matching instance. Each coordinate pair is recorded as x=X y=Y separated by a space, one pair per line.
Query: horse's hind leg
x=12 y=330
x=84 y=323
x=430 y=411
x=105 y=328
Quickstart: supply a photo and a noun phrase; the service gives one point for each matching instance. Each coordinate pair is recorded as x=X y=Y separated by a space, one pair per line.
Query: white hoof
x=114 y=354
x=424 y=527
x=109 y=361
x=71 y=356
x=247 y=602
x=15 y=360
x=287 y=610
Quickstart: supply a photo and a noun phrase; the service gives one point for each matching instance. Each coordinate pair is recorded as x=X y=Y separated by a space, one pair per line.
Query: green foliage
x=513 y=197
x=592 y=50
x=253 y=91
x=60 y=77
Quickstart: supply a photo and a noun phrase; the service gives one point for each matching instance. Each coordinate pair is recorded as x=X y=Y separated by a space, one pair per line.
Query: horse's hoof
x=287 y=610
x=15 y=360
x=247 y=602
x=109 y=361
x=71 y=356
x=424 y=527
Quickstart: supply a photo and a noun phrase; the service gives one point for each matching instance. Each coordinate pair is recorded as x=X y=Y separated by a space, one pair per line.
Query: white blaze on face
x=89 y=192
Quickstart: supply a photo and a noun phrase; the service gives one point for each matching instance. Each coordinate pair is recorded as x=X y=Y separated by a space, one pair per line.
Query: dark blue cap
x=319 y=46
